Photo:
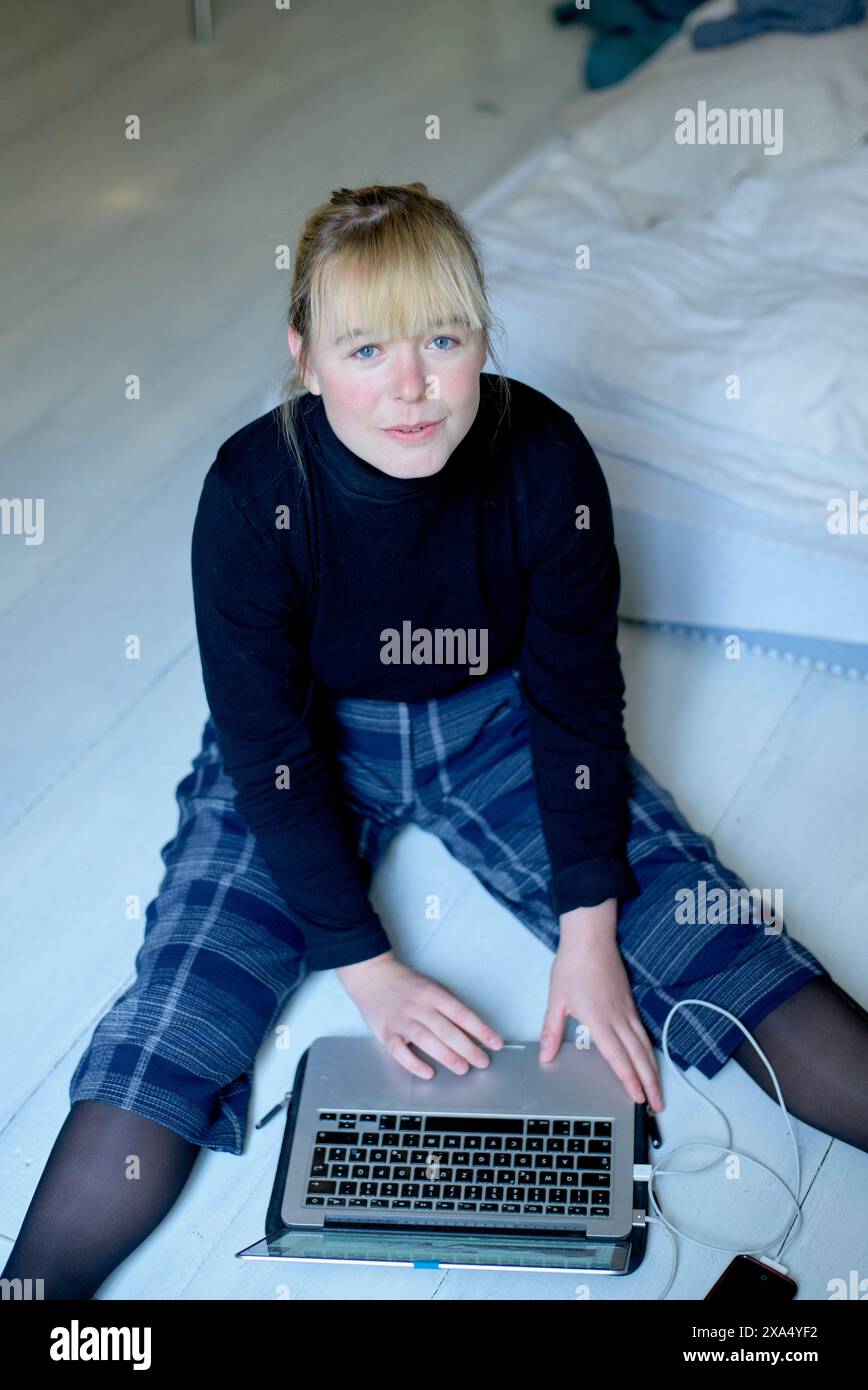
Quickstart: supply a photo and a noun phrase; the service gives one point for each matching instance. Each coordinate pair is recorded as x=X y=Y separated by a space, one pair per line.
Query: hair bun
x=374 y=194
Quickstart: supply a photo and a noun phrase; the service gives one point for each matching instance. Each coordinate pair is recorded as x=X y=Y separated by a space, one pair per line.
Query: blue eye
x=441 y=338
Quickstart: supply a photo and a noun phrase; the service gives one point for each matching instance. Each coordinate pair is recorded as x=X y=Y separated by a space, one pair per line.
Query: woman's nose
x=410 y=381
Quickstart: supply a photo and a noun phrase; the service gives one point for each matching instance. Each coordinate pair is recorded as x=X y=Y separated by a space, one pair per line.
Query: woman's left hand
x=589 y=982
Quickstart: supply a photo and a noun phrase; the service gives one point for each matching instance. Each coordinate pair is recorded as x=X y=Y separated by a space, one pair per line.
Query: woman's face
x=369 y=387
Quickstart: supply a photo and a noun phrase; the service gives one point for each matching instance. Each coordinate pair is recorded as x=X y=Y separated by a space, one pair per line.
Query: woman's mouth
x=415 y=435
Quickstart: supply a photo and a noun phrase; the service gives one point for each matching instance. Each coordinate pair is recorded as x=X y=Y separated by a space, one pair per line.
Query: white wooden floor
x=156 y=258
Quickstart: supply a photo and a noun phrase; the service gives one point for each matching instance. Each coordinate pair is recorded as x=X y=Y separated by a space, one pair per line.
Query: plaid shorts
x=221 y=954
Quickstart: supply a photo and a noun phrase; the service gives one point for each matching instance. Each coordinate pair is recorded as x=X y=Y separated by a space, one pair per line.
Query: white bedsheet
x=771 y=287
x=642 y=344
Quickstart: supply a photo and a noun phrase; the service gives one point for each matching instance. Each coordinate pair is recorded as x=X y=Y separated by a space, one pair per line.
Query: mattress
x=634 y=296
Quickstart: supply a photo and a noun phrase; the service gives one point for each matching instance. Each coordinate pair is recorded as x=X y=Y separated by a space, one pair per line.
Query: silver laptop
x=520 y=1165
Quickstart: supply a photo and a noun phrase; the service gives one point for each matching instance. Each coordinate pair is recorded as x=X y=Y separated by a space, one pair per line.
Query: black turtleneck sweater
x=294 y=587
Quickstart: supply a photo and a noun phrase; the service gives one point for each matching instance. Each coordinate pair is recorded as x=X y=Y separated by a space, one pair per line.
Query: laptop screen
x=423 y=1249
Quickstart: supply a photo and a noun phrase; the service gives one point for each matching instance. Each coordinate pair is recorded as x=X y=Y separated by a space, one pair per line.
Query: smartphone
x=748 y=1278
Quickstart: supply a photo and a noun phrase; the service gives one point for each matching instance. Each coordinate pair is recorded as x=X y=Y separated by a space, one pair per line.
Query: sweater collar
x=356 y=476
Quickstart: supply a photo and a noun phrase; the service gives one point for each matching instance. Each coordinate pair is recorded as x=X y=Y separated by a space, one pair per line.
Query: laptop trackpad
x=506 y=1083
x=517 y=1081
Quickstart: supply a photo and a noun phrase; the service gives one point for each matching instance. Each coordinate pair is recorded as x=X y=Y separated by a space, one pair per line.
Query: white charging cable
x=660 y=1219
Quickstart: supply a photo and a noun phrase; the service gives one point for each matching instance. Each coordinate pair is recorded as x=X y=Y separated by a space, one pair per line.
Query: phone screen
x=748 y=1278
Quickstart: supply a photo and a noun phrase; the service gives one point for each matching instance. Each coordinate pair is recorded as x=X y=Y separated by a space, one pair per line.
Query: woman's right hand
x=401 y=1006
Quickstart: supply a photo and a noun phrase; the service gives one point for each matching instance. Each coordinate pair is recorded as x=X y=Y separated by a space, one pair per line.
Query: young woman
x=406 y=592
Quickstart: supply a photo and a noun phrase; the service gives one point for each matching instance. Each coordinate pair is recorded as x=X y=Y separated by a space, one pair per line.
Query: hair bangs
x=376 y=295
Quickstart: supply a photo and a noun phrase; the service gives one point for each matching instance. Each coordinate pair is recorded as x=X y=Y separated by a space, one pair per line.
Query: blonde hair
x=393 y=258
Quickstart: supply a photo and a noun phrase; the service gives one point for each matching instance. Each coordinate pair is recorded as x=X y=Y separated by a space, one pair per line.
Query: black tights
x=817 y=1042
x=87 y=1216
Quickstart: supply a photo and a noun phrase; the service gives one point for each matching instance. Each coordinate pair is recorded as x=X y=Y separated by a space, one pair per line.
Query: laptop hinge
x=429 y=1228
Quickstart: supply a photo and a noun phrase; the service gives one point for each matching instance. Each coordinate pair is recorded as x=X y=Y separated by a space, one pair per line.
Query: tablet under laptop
x=521 y=1165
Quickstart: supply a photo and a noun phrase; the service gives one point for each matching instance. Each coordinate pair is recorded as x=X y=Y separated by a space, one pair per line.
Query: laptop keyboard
x=525 y=1165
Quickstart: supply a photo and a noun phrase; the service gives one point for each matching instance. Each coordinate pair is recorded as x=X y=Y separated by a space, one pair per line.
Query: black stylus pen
x=272 y=1112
